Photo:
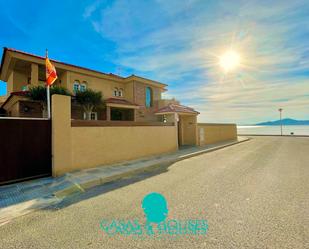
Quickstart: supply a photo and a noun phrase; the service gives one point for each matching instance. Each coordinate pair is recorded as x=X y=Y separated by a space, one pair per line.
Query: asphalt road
x=253 y=195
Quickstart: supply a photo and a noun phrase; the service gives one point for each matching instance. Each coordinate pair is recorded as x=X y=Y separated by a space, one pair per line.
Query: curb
x=212 y=149
x=75 y=188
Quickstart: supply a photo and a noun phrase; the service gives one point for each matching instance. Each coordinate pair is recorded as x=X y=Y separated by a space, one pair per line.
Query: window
x=115 y=93
x=148 y=97
x=79 y=87
x=83 y=86
x=120 y=92
x=76 y=86
x=93 y=116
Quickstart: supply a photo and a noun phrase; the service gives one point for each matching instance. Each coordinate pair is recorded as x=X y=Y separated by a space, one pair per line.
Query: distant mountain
x=286 y=121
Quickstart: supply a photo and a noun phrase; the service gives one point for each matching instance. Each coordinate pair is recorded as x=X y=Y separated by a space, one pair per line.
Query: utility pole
x=280 y=111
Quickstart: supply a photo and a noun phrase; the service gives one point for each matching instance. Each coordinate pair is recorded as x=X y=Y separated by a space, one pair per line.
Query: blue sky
x=180 y=43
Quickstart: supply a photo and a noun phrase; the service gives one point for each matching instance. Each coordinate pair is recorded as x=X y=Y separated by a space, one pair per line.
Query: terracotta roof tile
x=177 y=109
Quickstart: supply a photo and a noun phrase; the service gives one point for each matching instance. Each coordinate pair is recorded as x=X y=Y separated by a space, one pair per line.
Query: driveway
x=253 y=195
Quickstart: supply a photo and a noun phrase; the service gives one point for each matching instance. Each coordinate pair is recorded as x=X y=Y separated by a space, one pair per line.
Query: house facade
x=130 y=98
x=137 y=121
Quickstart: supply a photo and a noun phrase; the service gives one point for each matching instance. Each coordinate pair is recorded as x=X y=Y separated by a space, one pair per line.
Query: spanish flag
x=51 y=74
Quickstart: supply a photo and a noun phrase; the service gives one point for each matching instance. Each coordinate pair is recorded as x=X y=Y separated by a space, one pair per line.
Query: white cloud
x=92 y=8
x=179 y=43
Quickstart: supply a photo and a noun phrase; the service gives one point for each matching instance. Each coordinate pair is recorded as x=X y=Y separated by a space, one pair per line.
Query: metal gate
x=25 y=149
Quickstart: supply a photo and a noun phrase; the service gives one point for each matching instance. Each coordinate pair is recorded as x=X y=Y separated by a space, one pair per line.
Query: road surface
x=253 y=195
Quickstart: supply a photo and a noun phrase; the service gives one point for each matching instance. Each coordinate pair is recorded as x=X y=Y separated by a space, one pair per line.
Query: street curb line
x=212 y=149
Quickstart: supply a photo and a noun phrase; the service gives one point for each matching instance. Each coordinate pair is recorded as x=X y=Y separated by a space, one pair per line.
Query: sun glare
x=229 y=60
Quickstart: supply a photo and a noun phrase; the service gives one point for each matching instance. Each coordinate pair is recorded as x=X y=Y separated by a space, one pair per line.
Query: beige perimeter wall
x=83 y=147
x=93 y=146
x=214 y=133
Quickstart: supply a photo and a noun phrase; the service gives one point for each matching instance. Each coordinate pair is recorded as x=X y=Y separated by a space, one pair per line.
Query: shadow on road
x=107 y=187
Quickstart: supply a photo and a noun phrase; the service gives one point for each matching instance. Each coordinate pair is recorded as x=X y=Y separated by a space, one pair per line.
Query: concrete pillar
x=108 y=113
x=196 y=131
x=174 y=118
x=34 y=74
x=61 y=134
x=188 y=127
x=10 y=83
x=180 y=130
x=176 y=123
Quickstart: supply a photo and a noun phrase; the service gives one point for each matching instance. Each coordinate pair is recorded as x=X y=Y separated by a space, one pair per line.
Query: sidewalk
x=22 y=198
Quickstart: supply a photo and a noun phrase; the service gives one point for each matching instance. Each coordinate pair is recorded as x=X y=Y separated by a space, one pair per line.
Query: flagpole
x=48 y=94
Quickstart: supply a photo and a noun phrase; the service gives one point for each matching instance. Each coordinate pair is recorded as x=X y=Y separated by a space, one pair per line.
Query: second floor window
x=115 y=93
x=77 y=86
x=118 y=92
x=148 y=97
x=83 y=87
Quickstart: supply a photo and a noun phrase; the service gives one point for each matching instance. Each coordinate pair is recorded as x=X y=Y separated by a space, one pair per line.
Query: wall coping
x=103 y=123
x=24 y=118
x=216 y=124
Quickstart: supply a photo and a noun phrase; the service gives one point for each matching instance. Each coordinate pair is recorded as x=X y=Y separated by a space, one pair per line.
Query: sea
x=273 y=130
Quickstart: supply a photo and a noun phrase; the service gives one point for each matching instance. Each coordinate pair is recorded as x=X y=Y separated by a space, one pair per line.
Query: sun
x=230 y=60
